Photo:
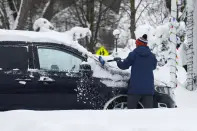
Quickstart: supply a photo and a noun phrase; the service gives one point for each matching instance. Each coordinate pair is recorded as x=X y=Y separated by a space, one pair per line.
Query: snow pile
x=42 y=25
x=108 y=120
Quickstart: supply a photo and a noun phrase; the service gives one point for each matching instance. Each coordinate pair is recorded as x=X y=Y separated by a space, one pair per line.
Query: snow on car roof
x=51 y=36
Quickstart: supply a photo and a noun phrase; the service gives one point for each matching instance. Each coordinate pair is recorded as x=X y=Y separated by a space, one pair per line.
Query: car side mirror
x=86 y=70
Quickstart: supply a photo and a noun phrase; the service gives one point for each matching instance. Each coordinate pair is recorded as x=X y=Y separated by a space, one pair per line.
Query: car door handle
x=69 y=74
x=23 y=81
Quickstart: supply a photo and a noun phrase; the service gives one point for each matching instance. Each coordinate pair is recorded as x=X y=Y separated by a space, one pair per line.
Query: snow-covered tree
x=94 y=14
x=195 y=46
x=7 y=15
x=153 y=13
x=20 y=14
x=190 y=46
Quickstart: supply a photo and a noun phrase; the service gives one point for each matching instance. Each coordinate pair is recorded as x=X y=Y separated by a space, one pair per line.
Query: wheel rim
x=121 y=105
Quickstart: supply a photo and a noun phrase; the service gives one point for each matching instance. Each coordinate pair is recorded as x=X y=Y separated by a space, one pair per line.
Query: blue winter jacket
x=143 y=62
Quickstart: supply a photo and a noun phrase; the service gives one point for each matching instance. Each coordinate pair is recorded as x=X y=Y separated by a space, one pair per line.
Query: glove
x=177 y=46
x=117 y=59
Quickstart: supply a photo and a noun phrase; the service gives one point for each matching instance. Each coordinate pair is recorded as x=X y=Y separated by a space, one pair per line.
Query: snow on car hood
x=110 y=74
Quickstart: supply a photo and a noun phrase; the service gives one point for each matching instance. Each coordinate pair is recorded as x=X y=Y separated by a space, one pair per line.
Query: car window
x=56 y=60
x=13 y=58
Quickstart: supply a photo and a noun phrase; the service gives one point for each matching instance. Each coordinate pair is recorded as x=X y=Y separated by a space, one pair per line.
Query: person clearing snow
x=143 y=62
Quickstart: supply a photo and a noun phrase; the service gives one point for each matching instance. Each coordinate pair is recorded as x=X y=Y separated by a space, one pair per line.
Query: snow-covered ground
x=185 y=98
x=108 y=120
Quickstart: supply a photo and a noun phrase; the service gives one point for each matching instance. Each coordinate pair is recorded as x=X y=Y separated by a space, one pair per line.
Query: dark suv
x=52 y=76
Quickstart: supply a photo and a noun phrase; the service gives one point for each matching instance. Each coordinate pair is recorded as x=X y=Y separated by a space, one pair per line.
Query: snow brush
x=102 y=61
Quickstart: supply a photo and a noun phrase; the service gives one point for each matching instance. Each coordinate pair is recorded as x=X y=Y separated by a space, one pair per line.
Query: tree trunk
x=168 y=5
x=4 y=16
x=13 y=8
x=51 y=10
x=90 y=18
x=48 y=14
x=132 y=18
x=22 y=16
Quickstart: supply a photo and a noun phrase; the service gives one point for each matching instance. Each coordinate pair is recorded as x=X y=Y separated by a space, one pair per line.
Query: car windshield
x=13 y=58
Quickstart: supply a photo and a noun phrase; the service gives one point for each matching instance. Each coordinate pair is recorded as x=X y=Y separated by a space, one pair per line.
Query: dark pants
x=185 y=67
x=146 y=100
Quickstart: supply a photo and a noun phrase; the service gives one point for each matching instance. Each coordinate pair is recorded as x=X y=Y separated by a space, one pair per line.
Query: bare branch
x=127 y=11
x=22 y=16
x=78 y=14
x=83 y=14
x=127 y=5
x=138 y=5
x=99 y=20
x=46 y=6
x=15 y=5
x=141 y=13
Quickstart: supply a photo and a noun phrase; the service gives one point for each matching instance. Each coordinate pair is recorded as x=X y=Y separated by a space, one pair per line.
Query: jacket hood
x=143 y=51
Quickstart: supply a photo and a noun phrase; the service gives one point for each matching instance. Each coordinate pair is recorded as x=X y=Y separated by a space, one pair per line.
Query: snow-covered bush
x=131 y=44
x=149 y=12
x=79 y=32
x=158 y=39
x=42 y=25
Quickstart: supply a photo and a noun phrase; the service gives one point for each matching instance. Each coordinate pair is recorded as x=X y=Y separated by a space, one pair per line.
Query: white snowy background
x=182 y=118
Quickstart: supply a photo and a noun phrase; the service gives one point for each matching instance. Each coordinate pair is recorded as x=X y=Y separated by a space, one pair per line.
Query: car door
x=14 y=76
x=59 y=73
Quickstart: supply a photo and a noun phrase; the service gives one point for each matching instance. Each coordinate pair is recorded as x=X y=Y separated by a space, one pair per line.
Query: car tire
x=119 y=102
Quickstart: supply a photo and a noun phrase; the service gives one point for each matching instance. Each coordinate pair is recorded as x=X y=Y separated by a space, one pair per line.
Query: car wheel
x=119 y=102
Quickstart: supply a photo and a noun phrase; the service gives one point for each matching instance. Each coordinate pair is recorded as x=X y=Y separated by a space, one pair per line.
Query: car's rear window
x=13 y=58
